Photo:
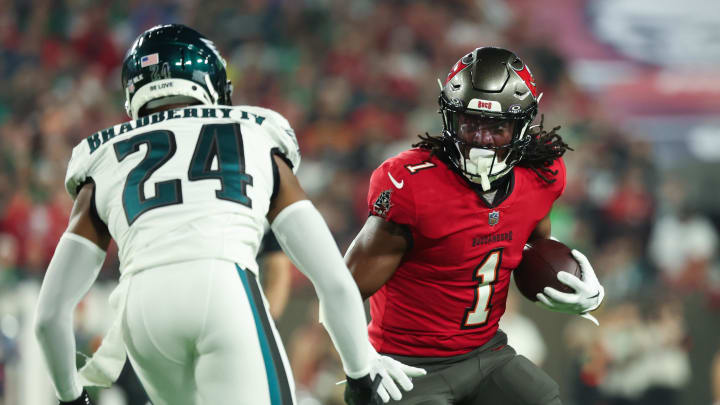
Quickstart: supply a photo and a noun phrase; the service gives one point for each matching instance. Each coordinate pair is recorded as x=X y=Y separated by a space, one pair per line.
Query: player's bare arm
x=289 y=190
x=84 y=220
x=542 y=229
x=278 y=280
x=376 y=253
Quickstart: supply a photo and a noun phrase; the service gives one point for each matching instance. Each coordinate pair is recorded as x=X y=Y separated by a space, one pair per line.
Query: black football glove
x=83 y=399
x=363 y=391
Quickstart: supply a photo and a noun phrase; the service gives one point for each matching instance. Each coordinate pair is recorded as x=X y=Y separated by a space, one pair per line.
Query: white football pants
x=199 y=333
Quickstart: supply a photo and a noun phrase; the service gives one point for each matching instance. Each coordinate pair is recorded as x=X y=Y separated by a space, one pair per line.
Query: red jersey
x=448 y=293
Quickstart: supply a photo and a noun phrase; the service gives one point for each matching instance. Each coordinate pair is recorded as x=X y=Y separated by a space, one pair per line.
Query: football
x=541 y=261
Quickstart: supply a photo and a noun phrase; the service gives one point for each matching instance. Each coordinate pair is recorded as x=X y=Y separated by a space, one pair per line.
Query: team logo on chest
x=493 y=218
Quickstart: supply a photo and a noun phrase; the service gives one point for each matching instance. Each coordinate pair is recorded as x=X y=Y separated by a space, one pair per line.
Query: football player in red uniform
x=448 y=222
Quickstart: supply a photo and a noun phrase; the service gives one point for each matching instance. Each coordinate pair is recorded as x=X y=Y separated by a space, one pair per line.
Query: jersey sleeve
x=77 y=171
x=560 y=177
x=284 y=137
x=390 y=196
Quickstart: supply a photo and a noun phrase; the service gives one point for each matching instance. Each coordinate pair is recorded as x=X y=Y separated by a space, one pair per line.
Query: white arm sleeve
x=306 y=239
x=72 y=271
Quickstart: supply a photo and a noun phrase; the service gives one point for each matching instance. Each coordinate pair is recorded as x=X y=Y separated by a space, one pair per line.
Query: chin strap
x=484 y=182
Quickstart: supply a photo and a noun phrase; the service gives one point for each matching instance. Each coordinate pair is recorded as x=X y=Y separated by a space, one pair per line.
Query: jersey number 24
x=221 y=141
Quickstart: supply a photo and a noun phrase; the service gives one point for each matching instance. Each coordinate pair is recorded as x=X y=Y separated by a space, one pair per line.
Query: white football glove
x=587 y=296
x=392 y=372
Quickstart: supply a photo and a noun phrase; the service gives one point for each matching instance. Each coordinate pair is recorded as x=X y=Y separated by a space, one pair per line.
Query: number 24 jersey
x=185 y=184
x=448 y=293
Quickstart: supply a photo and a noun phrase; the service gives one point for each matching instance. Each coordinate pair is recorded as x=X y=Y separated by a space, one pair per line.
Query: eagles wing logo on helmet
x=210 y=44
x=183 y=65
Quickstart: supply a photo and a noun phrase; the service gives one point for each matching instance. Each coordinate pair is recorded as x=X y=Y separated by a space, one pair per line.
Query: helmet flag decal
x=149 y=60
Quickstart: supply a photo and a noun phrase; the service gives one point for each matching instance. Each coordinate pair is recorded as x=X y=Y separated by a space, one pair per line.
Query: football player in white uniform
x=184 y=189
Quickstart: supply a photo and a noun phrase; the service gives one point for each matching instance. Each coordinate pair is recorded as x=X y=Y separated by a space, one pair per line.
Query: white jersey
x=185 y=184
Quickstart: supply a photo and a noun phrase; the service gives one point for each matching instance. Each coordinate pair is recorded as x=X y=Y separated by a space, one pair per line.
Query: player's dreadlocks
x=544 y=147
x=435 y=145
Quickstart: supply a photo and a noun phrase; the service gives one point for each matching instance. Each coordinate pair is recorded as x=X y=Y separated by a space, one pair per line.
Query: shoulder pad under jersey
x=77 y=171
x=280 y=132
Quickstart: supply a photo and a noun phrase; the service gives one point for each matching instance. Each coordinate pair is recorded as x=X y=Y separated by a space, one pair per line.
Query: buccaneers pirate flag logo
x=382 y=204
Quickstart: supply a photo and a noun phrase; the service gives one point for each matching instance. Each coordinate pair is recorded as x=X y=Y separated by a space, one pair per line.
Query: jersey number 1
x=486 y=275
x=221 y=141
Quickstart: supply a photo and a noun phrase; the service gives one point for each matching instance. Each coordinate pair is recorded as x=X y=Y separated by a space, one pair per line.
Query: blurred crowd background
x=634 y=85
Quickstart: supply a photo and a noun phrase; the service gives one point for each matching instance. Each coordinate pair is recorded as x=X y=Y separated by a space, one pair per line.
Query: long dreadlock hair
x=544 y=147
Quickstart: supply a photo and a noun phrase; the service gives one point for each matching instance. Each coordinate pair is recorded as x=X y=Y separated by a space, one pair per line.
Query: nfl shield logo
x=493 y=218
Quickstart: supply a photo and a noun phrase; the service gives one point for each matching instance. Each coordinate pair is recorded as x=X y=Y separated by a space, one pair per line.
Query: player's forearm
x=54 y=332
x=344 y=319
x=375 y=254
x=71 y=272
x=305 y=238
x=368 y=273
x=277 y=281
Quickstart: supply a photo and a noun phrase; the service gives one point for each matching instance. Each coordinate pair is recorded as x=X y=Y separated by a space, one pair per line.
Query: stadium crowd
x=357 y=80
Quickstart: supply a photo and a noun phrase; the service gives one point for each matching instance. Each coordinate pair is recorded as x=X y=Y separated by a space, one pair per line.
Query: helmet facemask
x=478 y=161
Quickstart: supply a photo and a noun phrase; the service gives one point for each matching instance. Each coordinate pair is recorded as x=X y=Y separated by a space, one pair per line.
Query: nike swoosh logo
x=395 y=182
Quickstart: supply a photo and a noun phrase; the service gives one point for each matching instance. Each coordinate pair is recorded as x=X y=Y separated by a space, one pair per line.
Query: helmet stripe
x=459 y=66
x=528 y=79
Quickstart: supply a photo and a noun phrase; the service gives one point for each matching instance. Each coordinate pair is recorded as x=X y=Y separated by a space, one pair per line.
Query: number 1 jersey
x=185 y=184
x=448 y=293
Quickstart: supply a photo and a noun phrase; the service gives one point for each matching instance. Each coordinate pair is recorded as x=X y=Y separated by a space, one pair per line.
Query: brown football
x=541 y=261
